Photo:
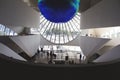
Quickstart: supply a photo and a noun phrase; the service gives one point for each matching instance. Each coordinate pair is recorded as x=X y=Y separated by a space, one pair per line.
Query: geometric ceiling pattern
x=60 y=33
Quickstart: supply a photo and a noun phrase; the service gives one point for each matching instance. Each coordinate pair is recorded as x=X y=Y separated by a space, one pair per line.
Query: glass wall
x=5 y=31
x=113 y=32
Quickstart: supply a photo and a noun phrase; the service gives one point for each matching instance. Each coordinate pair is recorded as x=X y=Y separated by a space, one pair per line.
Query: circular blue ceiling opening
x=58 y=10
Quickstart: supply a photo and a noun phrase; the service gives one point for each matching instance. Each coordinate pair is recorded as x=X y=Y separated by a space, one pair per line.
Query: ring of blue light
x=58 y=10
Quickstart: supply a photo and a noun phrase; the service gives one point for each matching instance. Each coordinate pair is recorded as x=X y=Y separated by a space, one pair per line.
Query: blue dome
x=58 y=10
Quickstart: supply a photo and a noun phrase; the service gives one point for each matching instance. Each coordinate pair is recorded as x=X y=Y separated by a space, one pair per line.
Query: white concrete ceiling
x=104 y=14
x=84 y=5
x=15 y=13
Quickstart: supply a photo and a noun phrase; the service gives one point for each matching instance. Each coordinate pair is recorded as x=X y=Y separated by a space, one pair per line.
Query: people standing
x=48 y=54
x=67 y=59
x=80 y=58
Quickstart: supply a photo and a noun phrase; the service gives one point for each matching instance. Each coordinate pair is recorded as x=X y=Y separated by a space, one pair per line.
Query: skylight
x=60 y=33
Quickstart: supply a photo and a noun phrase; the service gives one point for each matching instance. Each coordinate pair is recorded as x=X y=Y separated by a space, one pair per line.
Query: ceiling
x=84 y=5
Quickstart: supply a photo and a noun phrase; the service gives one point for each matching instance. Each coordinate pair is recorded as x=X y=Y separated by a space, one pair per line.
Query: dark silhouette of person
x=80 y=58
x=66 y=59
x=86 y=35
x=41 y=49
x=51 y=55
x=54 y=55
x=48 y=55
x=38 y=51
x=72 y=62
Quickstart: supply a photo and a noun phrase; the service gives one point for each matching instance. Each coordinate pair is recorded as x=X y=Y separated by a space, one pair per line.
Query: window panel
x=60 y=33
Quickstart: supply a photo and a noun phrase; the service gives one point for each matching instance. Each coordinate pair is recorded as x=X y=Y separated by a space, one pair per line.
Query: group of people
x=50 y=56
x=45 y=55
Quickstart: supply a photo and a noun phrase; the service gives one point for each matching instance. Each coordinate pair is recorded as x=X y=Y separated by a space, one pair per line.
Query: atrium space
x=60 y=32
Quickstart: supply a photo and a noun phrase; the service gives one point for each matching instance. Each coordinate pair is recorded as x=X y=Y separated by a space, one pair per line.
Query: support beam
x=13 y=46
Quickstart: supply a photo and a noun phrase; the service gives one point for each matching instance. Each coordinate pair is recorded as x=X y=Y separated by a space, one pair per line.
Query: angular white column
x=90 y=45
x=111 y=55
x=10 y=53
x=29 y=44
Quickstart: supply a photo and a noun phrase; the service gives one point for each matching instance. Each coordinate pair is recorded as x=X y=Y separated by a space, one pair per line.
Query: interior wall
x=92 y=32
x=84 y=6
x=100 y=31
x=44 y=41
x=17 y=13
x=94 y=2
x=29 y=44
x=75 y=42
x=110 y=55
x=17 y=29
x=10 y=53
x=104 y=14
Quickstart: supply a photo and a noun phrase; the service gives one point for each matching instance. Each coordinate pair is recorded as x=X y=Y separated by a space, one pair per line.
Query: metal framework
x=60 y=33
